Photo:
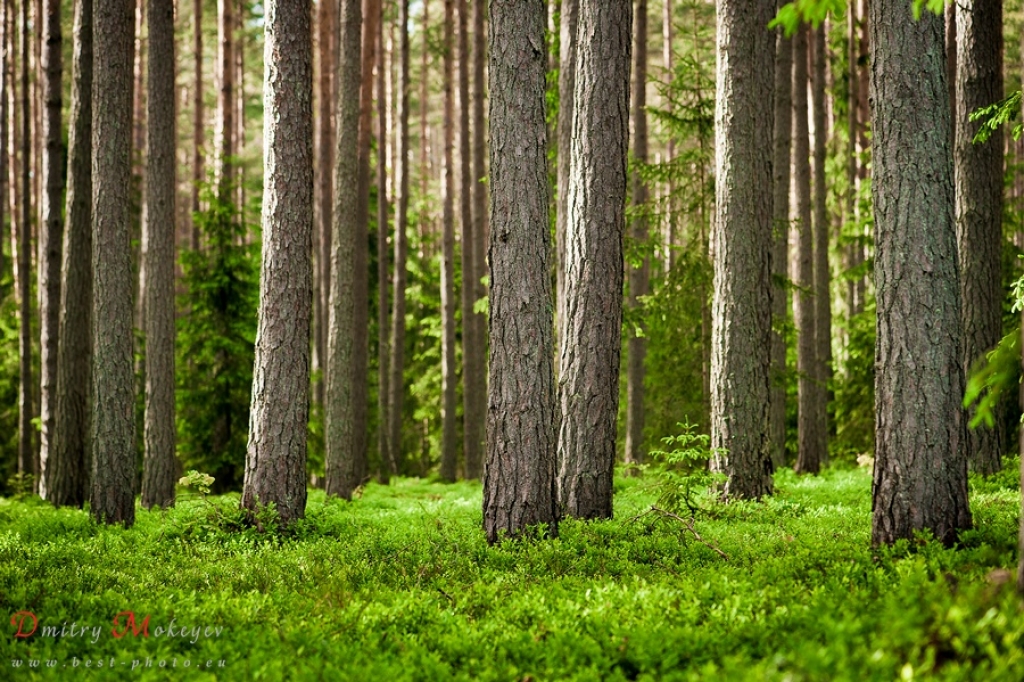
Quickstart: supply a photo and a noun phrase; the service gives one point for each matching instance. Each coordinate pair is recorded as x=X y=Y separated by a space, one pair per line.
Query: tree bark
x=590 y=332
x=570 y=12
x=26 y=448
x=325 y=146
x=345 y=415
x=198 y=134
x=639 y=277
x=978 y=177
x=741 y=247
x=920 y=479
x=67 y=470
x=478 y=356
x=224 y=129
x=822 y=295
x=519 y=479
x=113 y=424
x=275 y=466
x=52 y=232
x=388 y=467
x=449 y=446
x=160 y=468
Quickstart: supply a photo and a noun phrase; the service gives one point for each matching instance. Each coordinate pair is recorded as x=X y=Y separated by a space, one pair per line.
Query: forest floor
x=401 y=585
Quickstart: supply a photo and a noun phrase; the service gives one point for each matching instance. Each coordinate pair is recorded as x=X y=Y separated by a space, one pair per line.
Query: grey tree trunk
x=477 y=360
x=781 y=157
x=570 y=12
x=67 y=470
x=639 y=277
x=113 y=424
x=388 y=467
x=978 y=176
x=449 y=380
x=519 y=479
x=160 y=468
x=344 y=422
x=822 y=295
x=590 y=333
x=920 y=479
x=275 y=463
x=198 y=126
x=741 y=247
x=52 y=232
x=26 y=409
x=224 y=129
x=396 y=392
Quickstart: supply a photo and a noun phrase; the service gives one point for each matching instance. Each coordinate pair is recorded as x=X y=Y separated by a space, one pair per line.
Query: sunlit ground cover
x=400 y=585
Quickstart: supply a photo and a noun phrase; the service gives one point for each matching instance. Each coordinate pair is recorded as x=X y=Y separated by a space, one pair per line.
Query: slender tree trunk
x=639 y=277
x=160 y=468
x=325 y=147
x=519 y=479
x=198 y=134
x=51 y=233
x=822 y=297
x=781 y=158
x=590 y=332
x=224 y=130
x=139 y=109
x=478 y=357
x=864 y=152
x=67 y=470
x=26 y=448
x=275 y=464
x=344 y=415
x=920 y=479
x=670 y=145
x=113 y=424
x=741 y=247
x=978 y=175
x=388 y=466
x=239 y=143
x=570 y=12
x=425 y=109
x=852 y=125
x=449 y=446
x=5 y=86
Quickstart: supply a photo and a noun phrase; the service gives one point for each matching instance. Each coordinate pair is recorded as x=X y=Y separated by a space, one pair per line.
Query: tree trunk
x=670 y=145
x=387 y=465
x=449 y=451
x=198 y=134
x=160 y=468
x=345 y=409
x=781 y=158
x=741 y=248
x=822 y=295
x=113 y=424
x=978 y=174
x=239 y=102
x=224 y=130
x=275 y=463
x=478 y=357
x=570 y=12
x=67 y=469
x=139 y=111
x=5 y=86
x=26 y=448
x=639 y=277
x=852 y=125
x=325 y=146
x=590 y=332
x=51 y=233
x=920 y=479
x=519 y=479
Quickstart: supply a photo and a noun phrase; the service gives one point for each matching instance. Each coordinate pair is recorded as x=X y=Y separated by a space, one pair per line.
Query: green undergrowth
x=400 y=585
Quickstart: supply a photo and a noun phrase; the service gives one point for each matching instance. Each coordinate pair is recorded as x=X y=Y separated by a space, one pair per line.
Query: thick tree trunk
x=741 y=247
x=781 y=157
x=224 y=129
x=113 y=424
x=160 y=468
x=978 y=174
x=590 y=333
x=639 y=277
x=51 y=233
x=570 y=12
x=387 y=465
x=345 y=409
x=822 y=295
x=519 y=479
x=67 y=470
x=449 y=380
x=198 y=134
x=275 y=464
x=920 y=480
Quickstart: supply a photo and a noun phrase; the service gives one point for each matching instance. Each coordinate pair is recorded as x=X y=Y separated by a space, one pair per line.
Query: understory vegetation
x=401 y=584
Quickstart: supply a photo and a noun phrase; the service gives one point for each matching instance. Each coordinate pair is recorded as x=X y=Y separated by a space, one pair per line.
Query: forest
x=511 y=339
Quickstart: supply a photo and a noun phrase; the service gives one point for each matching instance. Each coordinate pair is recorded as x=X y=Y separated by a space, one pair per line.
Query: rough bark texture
x=570 y=12
x=920 y=479
x=822 y=296
x=639 y=277
x=388 y=467
x=26 y=410
x=741 y=249
x=589 y=336
x=519 y=479
x=978 y=176
x=478 y=356
x=67 y=471
x=781 y=157
x=344 y=437
x=160 y=468
x=51 y=232
x=224 y=129
x=396 y=386
x=113 y=424
x=449 y=380
x=275 y=463
x=198 y=134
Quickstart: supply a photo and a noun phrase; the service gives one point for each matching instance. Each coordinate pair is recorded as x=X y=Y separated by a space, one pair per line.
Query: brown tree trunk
x=639 y=277
x=345 y=375
x=449 y=380
x=67 y=469
x=741 y=247
x=198 y=125
x=324 y=170
x=852 y=125
x=113 y=424
x=920 y=479
x=26 y=448
x=667 y=30
x=239 y=143
x=224 y=130
x=822 y=295
x=570 y=12
x=478 y=357
x=590 y=333
x=139 y=110
x=519 y=479
x=978 y=176
x=160 y=468
x=51 y=232
x=388 y=467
